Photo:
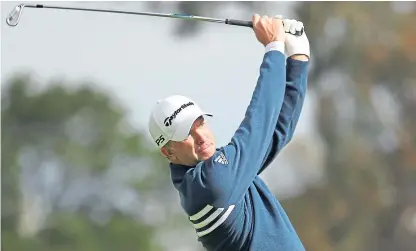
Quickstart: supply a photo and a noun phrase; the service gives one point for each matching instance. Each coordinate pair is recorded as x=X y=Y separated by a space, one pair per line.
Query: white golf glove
x=295 y=44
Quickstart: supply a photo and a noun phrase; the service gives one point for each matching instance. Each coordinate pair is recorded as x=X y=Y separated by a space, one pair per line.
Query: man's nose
x=199 y=137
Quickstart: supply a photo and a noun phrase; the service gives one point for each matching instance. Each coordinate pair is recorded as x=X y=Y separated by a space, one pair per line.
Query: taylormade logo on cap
x=172 y=118
x=168 y=120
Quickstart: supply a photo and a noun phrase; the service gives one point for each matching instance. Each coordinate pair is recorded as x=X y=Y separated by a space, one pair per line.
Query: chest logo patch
x=221 y=159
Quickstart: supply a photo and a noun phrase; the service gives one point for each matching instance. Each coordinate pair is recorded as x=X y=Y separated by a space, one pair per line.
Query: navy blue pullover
x=228 y=204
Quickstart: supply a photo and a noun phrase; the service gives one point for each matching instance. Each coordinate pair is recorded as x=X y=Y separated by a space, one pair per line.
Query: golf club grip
x=250 y=24
x=239 y=22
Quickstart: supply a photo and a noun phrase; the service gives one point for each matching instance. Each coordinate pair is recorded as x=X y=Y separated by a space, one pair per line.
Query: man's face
x=198 y=146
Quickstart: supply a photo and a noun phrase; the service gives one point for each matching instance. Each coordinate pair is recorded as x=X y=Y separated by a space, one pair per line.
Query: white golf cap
x=172 y=119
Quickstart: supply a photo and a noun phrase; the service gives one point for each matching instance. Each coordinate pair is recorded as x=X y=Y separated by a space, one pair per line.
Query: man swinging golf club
x=227 y=202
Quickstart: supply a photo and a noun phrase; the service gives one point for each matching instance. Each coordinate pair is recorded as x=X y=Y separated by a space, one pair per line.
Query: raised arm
x=296 y=85
x=298 y=52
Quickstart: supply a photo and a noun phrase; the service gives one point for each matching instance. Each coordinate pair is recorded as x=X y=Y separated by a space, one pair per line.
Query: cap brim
x=183 y=130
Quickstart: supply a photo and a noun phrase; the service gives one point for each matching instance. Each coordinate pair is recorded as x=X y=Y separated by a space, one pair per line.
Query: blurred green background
x=76 y=176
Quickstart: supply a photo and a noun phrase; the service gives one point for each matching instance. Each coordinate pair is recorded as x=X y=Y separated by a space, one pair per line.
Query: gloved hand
x=295 y=44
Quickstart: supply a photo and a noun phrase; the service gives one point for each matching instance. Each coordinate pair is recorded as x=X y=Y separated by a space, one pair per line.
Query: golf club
x=14 y=17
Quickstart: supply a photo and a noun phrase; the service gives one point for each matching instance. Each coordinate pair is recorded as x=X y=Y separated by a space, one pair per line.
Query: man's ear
x=166 y=151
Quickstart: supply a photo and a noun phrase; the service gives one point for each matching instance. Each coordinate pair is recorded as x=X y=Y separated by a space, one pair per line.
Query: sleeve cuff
x=295 y=63
x=276 y=46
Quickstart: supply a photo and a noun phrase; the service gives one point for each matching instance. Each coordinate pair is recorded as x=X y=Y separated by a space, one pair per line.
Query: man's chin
x=206 y=154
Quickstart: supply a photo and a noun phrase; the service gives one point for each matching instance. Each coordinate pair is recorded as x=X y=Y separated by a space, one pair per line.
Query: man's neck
x=188 y=165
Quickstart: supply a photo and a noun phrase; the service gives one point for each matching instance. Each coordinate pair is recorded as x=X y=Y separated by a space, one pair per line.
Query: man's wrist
x=276 y=46
x=300 y=57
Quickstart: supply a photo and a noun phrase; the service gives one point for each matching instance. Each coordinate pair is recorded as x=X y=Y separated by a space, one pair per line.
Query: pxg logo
x=168 y=120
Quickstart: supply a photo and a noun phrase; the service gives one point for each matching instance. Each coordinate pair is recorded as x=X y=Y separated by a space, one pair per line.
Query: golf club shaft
x=14 y=17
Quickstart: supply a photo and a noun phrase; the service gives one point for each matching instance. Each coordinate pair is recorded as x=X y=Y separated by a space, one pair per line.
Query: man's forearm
x=296 y=82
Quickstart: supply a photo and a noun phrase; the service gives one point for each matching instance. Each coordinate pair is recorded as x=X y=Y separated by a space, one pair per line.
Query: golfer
x=220 y=190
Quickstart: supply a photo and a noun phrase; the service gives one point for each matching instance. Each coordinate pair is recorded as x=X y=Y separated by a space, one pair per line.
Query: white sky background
x=137 y=59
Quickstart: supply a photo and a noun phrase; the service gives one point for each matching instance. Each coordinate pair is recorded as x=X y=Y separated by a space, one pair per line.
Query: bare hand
x=268 y=29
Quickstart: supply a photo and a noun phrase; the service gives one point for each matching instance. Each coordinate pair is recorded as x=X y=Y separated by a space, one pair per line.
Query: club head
x=14 y=17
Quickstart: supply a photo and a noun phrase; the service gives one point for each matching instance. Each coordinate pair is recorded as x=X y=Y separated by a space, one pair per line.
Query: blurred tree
x=363 y=73
x=61 y=152
x=79 y=232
